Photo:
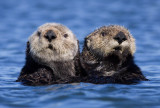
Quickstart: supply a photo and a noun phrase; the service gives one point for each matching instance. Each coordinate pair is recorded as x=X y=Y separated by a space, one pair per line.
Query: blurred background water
x=19 y=18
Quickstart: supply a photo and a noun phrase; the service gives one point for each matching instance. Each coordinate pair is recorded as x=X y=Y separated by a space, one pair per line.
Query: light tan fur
x=103 y=45
x=64 y=49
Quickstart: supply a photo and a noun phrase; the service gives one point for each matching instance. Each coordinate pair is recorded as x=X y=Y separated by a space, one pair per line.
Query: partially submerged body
x=107 y=57
x=52 y=57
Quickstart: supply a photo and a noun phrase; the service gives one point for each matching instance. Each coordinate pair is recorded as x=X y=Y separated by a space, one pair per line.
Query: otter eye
x=129 y=36
x=65 y=35
x=103 y=33
x=38 y=33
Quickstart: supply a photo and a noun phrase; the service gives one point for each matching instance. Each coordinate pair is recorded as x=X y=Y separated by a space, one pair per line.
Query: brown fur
x=107 y=61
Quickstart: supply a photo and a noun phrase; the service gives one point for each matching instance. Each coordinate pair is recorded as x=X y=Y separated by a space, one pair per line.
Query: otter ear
x=87 y=42
x=28 y=48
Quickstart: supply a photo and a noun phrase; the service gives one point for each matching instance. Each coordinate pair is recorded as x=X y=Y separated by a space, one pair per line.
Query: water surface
x=18 y=20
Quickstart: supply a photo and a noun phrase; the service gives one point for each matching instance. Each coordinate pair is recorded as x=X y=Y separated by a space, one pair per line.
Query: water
x=18 y=19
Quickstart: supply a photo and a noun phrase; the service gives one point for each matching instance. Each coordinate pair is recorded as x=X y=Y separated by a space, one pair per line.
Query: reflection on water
x=20 y=18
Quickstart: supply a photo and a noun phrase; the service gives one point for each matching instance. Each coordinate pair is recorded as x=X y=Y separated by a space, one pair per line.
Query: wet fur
x=112 y=67
x=51 y=62
x=34 y=73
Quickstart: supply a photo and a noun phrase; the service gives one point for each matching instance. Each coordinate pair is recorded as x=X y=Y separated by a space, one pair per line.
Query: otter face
x=53 y=42
x=106 y=40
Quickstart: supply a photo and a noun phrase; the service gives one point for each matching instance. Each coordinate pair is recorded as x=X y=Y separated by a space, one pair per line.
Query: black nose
x=120 y=37
x=50 y=35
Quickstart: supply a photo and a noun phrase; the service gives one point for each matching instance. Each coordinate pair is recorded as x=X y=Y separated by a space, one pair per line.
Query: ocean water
x=19 y=19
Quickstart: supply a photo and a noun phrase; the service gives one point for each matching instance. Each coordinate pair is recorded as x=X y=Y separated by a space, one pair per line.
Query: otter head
x=53 y=42
x=109 y=40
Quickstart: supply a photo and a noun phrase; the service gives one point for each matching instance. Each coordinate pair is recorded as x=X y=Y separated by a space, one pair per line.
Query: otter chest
x=63 y=69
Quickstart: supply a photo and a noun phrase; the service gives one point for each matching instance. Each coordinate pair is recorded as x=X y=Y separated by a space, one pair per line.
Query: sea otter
x=52 y=56
x=107 y=56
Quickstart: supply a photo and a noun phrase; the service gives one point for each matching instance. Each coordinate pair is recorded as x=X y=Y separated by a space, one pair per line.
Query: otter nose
x=120 y=37
x=50 y=35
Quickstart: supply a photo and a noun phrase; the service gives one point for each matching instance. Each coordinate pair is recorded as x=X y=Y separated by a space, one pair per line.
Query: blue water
x=19 y=18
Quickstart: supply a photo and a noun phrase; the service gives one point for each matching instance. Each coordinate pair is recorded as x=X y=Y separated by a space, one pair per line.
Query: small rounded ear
x=87 y=42
x=28 y=48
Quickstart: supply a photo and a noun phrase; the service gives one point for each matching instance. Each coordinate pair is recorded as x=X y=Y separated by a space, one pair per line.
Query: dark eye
x=129 y=36
x=103 y=34
x=65 y=35
x=38 y=33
